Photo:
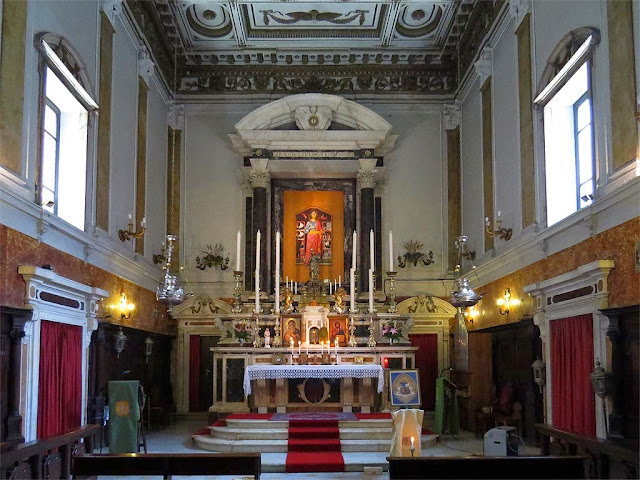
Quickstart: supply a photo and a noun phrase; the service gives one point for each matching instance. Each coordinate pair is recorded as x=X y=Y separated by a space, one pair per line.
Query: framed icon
x=404 y=387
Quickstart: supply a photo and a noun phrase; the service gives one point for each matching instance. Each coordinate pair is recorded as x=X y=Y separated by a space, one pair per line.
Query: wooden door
x=206 y=371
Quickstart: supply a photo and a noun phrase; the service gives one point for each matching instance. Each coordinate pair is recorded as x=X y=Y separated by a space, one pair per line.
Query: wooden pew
x=168 y=464
x=485 y=467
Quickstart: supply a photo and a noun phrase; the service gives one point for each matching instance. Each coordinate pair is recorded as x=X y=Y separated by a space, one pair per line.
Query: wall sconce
x=128 y=234
x=539 y=368
x=500 y=232
x=160 y=257
x=125 y=308
x=507 y=302
x=121 y=340
x=148 y=348
x=471 y=314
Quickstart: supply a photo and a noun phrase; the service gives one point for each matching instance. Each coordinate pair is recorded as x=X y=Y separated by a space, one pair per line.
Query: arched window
x=565 y=97
x=65 y=109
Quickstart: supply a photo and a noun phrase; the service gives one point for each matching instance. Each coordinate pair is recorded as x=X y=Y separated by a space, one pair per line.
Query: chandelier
x=462 y=296
x=169 y=293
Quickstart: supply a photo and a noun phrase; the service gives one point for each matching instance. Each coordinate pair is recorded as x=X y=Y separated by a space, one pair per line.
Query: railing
x=603 y=458
x=485 y=467
x=48 y=457
x=168 y=464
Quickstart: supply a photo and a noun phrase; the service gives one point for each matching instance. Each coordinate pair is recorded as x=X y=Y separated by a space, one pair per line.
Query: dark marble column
x=366 y=183
x=14 y=420
x=260 y=179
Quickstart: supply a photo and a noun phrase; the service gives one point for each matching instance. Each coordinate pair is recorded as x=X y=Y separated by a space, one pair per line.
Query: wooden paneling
x=480 y=386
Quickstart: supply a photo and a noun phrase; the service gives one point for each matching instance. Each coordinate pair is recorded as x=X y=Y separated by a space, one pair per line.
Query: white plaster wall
x=472 y=185
x=123 y=131
x=156 y=171
x=412 y=206
x=213 y=201
x=506 y=132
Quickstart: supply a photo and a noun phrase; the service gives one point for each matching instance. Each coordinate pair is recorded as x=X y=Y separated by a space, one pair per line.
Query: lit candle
x=130 y=217
x=370 y=290
x=412 y=442
x=372 y=261
x=277 y=272
x=291 y=343
x=352 y=288
x=499 y=213
x=238 y=246
x=390 y=251
x=258 y=272
x=353 y=252
x=299 y=344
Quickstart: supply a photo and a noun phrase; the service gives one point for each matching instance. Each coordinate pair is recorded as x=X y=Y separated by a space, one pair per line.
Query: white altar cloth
x=257 y=372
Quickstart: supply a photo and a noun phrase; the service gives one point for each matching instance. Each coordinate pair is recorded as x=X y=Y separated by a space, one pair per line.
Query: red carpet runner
x=314 y=446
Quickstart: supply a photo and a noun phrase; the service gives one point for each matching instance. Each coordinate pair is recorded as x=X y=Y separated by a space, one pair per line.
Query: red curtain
x=60 y=382
x=427 y=363
x=194 y=373
x=571 y=364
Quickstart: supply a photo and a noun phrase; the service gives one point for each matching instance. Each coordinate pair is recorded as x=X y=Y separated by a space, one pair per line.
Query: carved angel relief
x=423 y=304
x=313 y=118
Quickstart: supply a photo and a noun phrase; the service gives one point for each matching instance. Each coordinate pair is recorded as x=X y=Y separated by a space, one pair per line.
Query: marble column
x=366 y=184
x=260 y=177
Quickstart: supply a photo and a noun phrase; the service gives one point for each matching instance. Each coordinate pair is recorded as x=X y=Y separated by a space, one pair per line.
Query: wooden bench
x=485 y=467
x=167 y=464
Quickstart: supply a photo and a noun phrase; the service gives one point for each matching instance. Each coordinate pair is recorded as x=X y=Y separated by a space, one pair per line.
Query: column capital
x=175 y=116
x=145 y=64
x=452 y=115
x=259 y=177
x=484 y=64
x=367 y=178
x=112 y=9
x=519 y=9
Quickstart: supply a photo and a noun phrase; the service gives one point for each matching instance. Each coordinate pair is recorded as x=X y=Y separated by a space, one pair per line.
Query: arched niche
x=313 y=121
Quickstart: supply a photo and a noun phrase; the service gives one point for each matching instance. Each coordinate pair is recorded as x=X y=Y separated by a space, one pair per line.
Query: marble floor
x=177 y=439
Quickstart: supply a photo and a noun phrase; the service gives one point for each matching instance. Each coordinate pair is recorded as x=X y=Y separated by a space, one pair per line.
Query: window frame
x=79 y=86
x=49 y=103
x=587 y=96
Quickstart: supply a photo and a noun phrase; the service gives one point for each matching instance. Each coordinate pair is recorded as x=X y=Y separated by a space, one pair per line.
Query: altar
x=272 y=380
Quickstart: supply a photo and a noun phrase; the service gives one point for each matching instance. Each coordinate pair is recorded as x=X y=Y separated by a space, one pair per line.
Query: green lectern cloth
x=124 y=413
x=446 y=418
x=439 y=419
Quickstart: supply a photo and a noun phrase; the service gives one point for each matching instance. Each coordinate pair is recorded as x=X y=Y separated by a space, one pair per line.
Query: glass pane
x=49 y=148
x=50 y=121
x=584 y=114
x=585 y=155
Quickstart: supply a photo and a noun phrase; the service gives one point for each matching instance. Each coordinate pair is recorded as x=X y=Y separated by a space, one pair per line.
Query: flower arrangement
x=242 y=330
x=391 y=331
x=213 y=257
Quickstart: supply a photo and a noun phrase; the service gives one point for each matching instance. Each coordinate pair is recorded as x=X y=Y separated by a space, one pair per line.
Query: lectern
x=446 y=417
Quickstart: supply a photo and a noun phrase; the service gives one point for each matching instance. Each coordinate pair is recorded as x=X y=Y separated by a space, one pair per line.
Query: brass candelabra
x=393 y=306
x=237 y=292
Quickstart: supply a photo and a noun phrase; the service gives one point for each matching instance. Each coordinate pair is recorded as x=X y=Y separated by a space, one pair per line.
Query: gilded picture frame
x=404 y=388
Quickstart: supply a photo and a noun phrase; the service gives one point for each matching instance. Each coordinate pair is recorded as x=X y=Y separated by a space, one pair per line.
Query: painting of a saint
x=313 y=236
x=291 y=333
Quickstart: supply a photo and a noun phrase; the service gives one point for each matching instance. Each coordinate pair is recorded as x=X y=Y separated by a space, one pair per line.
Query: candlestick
x=277 y=272
x=238 y=248
x=237 y=292
x=372 y=260
x=371 y=291
x=354 y=250
x=393 y=306
x=390 y=251
x=413 y=448
x=352 y=333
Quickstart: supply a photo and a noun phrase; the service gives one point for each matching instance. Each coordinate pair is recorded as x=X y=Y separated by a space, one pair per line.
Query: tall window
x=568 y=138
x=63 y=168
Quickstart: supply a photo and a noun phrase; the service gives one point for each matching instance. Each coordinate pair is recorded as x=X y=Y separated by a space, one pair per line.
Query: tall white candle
x=339 y=280
x=370 y=290
x=238 y=247
x=372 y=248
x=354 y=249
x=277 y=272
x=330 y=289
x=352 y=288
x=295 y=288
x=335 y=285
x=390 y=251
x=258 y=272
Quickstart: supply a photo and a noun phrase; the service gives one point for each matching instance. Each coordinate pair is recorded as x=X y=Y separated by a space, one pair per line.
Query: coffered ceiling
x=238 y=46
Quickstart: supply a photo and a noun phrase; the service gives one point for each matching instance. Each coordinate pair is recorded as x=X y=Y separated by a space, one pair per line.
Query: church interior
x=168 y=260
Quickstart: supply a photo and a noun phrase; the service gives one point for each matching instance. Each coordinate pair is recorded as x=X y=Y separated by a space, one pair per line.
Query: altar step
x=240 y=435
